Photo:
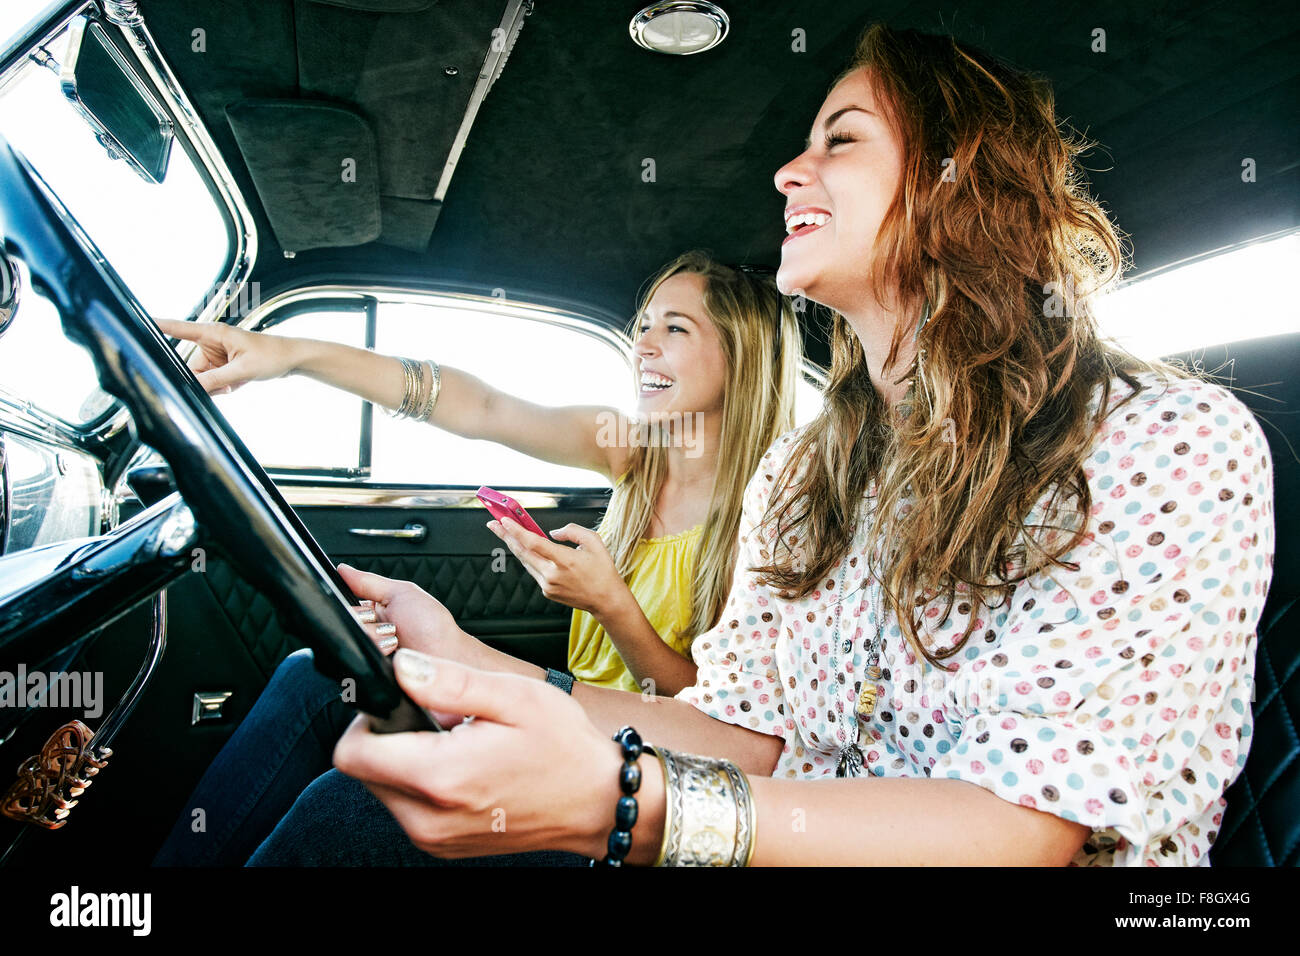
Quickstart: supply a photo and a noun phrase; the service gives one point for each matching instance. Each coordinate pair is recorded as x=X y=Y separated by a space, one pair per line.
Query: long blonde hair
x=991 y=210
x=760 y=341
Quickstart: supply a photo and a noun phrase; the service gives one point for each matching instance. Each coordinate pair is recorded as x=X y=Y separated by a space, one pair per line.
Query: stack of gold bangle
x=709 y=817
x=416 y=403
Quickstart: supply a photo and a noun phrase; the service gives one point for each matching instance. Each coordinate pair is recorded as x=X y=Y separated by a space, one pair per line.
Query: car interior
x=389 y=172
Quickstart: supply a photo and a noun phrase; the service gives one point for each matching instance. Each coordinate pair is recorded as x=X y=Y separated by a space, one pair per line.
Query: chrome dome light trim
x=679 y=27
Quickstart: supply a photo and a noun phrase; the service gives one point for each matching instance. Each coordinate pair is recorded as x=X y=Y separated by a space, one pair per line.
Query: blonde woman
x=717 y=354
x=996 y=605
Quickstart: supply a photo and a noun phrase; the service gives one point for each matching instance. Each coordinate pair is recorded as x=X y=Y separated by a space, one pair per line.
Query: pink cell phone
x=503 y=506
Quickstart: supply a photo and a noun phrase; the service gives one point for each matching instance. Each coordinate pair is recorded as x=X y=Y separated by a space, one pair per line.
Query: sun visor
x=315 y=167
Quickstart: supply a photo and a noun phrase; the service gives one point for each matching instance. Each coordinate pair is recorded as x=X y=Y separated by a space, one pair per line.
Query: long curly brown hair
x=994 y=227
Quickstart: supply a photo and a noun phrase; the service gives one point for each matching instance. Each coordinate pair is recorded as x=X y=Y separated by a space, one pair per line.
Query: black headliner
x=548 y=196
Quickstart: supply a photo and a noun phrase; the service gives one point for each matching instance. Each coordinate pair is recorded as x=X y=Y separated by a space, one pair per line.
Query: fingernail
x=385 y=629
x=366 y=615
x=413 y=665
x=366 y=602
x=387 y=644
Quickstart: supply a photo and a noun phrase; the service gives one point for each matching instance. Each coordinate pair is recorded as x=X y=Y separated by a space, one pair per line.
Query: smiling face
x=680 y=365
x=837 y=193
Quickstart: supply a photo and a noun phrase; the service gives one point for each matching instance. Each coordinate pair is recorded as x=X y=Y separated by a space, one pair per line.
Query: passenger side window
x=300 y=425
x=549 y=363
x=296 y=423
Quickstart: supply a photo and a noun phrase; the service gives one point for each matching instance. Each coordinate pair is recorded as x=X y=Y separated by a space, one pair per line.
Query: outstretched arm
x=230 y=357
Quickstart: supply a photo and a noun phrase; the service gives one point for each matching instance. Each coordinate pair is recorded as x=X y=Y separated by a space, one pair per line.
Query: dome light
x=679 y=27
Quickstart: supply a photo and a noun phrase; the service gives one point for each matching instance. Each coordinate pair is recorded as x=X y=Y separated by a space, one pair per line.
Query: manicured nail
x=366 y=615
x=385 y=629
x=365 y=602
x=414 y=666
x=386 y=644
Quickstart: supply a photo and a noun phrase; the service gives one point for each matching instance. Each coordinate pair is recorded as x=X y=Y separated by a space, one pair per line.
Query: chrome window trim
x=324 y=495
x=125 y=14
x=401 y=295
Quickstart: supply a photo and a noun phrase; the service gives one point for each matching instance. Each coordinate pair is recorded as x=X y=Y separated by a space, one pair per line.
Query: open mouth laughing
x=801 y=220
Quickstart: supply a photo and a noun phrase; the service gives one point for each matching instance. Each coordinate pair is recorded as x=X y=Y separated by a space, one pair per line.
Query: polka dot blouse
x=1117 y=695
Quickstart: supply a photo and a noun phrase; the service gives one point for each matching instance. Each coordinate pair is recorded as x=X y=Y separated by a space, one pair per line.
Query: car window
x=296 y=422
x=1229 y=297
x=41 y=367
x=168 y=241
x=16 y=15
x=541 y=362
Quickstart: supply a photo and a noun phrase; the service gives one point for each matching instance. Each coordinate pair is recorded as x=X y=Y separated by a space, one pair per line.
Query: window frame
x=367 y=299
x=137 y=46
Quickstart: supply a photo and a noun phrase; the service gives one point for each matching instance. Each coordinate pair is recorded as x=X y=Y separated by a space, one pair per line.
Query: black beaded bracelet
x=625 y=813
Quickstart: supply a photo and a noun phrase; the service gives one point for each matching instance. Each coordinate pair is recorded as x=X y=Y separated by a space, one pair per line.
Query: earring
x=925 y=317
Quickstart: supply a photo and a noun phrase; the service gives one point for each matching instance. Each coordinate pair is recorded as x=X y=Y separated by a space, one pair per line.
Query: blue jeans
x=268 y=794
x=338 y=822
x=286 y=741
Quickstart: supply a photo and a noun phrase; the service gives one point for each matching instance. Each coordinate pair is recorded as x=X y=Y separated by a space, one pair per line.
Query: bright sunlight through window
x=1225 y=298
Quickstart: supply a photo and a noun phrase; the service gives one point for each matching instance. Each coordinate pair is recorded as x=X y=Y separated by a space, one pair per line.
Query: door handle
x=414 y=531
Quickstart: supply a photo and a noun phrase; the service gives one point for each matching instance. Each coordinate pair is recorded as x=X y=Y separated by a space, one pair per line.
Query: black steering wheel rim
x=229 y=493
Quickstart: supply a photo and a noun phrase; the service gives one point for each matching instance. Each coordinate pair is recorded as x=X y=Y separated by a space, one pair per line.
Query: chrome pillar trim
x=207 y=706
x=503 y=41
x=157 y=645
x=126 y=15
x=369 y=496
x=126 y=12
x=110 y=513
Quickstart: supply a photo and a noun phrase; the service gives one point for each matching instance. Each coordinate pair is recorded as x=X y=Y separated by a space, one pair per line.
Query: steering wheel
x=234 y=502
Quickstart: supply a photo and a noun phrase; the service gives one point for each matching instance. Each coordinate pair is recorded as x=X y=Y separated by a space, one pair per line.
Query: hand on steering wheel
x=423 y=623
x=530 y=772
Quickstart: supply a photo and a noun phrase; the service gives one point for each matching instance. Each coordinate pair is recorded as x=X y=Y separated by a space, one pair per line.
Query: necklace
x=850 y=762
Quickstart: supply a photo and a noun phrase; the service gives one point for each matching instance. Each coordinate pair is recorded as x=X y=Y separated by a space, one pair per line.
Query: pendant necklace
x=851 y=760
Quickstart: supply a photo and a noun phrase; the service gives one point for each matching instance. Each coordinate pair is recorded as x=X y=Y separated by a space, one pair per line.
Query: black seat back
x=1262 y=824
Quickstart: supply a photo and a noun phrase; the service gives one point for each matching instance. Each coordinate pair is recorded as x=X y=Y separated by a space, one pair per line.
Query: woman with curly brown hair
x=1008 y=580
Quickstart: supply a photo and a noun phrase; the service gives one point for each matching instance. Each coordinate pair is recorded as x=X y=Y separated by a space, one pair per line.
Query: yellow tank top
x=663 y=570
